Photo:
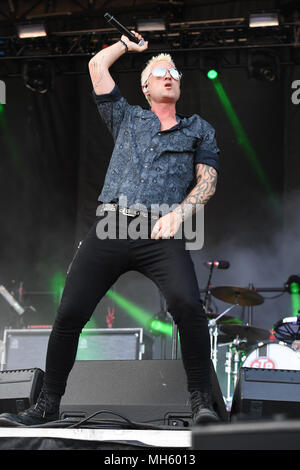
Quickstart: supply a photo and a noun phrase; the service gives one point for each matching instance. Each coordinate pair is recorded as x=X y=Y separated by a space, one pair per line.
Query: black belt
x=124 y=210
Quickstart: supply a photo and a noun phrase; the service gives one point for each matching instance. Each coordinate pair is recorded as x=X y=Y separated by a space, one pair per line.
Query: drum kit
x=248 y=346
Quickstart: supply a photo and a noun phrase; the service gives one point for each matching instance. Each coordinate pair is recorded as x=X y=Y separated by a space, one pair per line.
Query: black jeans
x=96 y=266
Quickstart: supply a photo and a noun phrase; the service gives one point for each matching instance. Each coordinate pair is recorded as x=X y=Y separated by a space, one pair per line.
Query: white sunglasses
x=160 y=72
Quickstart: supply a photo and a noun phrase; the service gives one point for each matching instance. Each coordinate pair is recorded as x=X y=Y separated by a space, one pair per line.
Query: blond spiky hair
x=146 y=72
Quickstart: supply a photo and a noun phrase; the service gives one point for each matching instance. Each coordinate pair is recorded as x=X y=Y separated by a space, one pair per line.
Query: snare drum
x=273 y=355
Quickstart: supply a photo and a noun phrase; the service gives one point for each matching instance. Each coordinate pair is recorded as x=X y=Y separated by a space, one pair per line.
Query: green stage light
x=212 y=74
x=142 y=316
x=160 y=327
x=246 y=145
x=295 y=299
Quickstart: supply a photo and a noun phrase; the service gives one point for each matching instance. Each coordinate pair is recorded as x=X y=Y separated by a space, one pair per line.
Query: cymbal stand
x=232 y=357
x=207 y=294
x=237 y=358
x=214 y=332
x=250 y=308
x=228 y=367
x=174 y=350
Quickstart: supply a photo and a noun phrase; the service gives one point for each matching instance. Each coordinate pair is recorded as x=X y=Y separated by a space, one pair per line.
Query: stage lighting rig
x=292 y=285
x=264 y=66
x=263 y=20
x=26 y=31
x=38 y=76
x=210 y=65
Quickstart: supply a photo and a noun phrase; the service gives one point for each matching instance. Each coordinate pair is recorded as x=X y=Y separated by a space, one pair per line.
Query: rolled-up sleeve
x=112 y=108
x=207 y=150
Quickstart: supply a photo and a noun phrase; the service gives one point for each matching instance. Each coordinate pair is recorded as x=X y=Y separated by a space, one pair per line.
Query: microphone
x=114 y=22
x=219 y=264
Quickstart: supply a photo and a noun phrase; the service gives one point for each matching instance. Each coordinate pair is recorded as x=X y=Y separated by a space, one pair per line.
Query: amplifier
x=262 y=393
x=19 y=389
x=27 y=348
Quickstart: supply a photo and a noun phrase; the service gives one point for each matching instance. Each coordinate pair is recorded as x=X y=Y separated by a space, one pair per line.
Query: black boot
x=46 y=409
x=202 y=409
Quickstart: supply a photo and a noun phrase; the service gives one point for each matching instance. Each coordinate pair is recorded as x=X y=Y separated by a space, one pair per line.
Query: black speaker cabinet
x=250 y=435
x=263 y=393
x=19 y=389
x=145 y=390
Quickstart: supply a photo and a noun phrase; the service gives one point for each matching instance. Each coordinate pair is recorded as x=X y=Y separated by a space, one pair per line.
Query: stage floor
x=29 y=438
x=155 y=445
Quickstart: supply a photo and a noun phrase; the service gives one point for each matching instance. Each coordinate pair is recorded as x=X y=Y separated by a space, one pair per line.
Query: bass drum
x=273 y=355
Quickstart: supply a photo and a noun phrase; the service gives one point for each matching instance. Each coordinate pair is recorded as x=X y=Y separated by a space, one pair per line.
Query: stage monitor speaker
x=142 y=391
x=264 y=393
x=19 y=389
x=254 y=435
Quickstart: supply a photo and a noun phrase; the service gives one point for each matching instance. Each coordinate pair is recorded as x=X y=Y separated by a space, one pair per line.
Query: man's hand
x=166 y=226
x=132 y=46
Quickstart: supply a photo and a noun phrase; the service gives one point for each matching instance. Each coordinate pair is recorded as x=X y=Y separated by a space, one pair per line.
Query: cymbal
x=237 y=295
x=250 y=333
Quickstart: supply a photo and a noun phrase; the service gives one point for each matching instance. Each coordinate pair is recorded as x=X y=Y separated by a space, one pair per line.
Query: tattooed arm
x=206 y=177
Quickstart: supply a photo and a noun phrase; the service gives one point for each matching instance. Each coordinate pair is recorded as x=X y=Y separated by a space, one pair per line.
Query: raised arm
x=101 y=62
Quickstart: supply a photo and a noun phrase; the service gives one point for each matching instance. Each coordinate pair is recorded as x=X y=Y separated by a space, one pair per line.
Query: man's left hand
x=166 y=226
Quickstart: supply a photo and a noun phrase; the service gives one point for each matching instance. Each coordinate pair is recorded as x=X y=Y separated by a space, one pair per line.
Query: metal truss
x=77 y=30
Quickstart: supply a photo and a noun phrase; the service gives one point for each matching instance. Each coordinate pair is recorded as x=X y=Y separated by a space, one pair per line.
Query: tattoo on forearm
x=201 y=193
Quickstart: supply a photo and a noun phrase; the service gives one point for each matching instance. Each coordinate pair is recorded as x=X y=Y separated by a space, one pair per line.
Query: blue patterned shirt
x=150 y=166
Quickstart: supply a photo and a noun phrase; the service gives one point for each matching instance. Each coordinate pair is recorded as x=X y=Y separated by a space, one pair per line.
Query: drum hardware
x=214 y=333
x=226 y=319
x=238 y=337
x=288 y=330
x=237 y=295
x=232 y=365
x=249 y=333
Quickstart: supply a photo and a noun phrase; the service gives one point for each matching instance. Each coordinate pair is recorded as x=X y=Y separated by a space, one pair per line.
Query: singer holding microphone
x=157 y=155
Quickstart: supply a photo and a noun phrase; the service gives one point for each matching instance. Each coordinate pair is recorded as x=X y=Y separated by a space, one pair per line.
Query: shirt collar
x=148 y=114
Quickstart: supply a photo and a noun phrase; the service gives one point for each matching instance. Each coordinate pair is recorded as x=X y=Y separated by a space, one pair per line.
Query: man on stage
x=157 y=155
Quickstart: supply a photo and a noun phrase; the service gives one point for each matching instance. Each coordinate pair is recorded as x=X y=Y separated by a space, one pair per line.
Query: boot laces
x=199 y=400
x=46 y=404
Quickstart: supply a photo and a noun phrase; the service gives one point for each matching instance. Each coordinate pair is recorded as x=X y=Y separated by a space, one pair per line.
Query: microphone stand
x=206 y=299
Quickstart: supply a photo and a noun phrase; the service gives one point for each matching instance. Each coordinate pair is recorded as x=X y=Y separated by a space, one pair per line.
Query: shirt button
x=151 y=149
x=154 y=180
x=145 y=166
x=142 y=180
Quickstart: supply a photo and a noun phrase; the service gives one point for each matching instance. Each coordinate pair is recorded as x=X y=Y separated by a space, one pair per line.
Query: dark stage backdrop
x=54 y=155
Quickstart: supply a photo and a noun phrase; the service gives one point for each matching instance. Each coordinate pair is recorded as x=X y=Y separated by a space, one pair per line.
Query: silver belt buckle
x=111 y=207
x=126 y=211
